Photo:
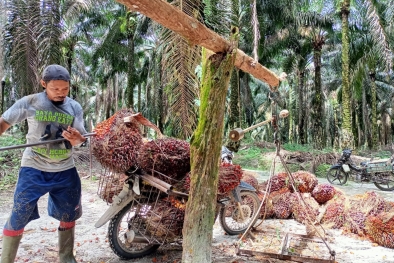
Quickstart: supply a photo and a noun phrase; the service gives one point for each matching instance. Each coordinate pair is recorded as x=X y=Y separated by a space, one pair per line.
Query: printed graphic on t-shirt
x=57 y=122
x=49 y=116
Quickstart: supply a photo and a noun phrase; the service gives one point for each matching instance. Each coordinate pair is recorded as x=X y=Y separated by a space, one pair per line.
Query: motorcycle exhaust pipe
x=133 y=238
x=237 y=134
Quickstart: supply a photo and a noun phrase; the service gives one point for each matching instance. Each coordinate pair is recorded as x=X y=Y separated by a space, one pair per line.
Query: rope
x=300 y=199
x=292 y=181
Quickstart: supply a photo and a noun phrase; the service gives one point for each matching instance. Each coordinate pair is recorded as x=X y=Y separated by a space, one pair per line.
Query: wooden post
x=198 y=34
x=205 y=147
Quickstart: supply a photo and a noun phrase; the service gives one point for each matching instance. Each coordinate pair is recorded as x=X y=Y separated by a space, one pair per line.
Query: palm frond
x=21 y=44
x=378 y=33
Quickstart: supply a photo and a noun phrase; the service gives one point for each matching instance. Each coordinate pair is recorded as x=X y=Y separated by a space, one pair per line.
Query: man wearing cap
x=47 y=168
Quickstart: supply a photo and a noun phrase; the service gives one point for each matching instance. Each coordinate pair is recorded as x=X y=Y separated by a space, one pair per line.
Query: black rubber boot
x=9 y=249
x=66 y=245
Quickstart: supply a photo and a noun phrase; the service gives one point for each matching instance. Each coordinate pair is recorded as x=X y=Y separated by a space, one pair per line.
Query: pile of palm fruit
x=116 y=143
x=167 y=159
x=229 y=177
x=119 y=145
x=165 y=220
x=299 y=196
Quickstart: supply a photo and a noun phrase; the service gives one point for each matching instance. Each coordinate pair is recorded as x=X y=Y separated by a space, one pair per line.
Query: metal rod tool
x=238 y=133
x=40 y=143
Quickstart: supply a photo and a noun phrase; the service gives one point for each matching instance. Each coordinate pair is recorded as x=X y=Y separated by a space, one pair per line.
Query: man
x=47 y=168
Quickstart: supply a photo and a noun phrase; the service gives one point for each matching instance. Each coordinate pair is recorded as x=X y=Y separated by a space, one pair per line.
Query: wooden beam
x=198 y=34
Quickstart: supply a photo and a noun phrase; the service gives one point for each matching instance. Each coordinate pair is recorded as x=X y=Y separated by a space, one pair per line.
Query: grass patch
x=321 y=170
x=249 y=157
x=9 y=161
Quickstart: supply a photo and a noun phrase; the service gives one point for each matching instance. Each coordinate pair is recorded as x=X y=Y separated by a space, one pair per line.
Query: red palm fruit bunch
x=372 y=203
x=282 y=203
x=267 y=209
x=229 y=177
x=334 y=216
x=165 y=221
x=279 y=181
x=116 y=143
x=305 y=208
x=380 y=228
x=167 y=158
x=305 y=181
x=250 y=179
x=110 y=185
x=323 y=193
x=355 y=222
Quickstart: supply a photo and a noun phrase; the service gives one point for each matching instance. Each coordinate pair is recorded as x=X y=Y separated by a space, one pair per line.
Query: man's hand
x=73 y=136
x=3 y=126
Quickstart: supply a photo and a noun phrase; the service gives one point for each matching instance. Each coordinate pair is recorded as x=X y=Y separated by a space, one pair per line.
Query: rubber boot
x=10 y=247
x=66 y=245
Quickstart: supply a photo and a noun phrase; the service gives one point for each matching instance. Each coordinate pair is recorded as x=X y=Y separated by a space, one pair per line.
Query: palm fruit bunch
x=229 y=177
x=305 y=212
x=304 y=181
x=250 y=179
x=282 y=202
x=334 y=216
x=279 y=181
x=116 y=143
x=323 y=193
x=267 y=209
x=165 y=220
x=372 y=203
x=166 y=158
x=355 y=222
x=111 y=185
x=380 y=228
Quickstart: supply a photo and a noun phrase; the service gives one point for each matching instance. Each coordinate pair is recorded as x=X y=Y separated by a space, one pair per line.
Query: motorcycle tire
x=388 y=185
x=337 y=176
x=117 y=229
x=229 y=216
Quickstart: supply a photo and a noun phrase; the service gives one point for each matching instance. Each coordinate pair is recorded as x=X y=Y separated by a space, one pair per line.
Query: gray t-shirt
x=46 y=121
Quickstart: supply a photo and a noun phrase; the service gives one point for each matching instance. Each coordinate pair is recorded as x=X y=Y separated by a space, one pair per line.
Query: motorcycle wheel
x=337 y=176
x=229 y=216
x=386 y=183
x=117 y=230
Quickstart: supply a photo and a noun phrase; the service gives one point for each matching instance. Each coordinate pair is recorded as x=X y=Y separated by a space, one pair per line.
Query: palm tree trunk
x=301 y=109
x=374 y=128
x=234 y=120
x=347 y=136
x=205 y=149
x=130 y=60
x=366 y=122
x=317 y=113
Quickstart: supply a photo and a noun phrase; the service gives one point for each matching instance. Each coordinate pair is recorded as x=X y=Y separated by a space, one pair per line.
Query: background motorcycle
x=139 y=221
x=379 y=172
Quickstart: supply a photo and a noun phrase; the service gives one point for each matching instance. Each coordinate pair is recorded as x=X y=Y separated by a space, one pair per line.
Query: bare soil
x=39 y=243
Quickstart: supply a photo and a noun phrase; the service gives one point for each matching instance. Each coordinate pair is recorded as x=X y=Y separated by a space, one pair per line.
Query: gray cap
x=55 y=72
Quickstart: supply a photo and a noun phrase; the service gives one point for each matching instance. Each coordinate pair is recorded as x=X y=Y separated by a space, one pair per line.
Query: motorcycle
x=380 y=172
x=148 y=213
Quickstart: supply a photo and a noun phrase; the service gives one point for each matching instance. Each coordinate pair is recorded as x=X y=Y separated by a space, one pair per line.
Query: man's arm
x=3 y=125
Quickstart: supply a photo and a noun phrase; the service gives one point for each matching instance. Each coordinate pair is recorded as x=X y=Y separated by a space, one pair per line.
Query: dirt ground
x=39 y=243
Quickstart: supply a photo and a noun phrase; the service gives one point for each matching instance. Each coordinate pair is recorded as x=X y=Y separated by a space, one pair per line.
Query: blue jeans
x=64 y=201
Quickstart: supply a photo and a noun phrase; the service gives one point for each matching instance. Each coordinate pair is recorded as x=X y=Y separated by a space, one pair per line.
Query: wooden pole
x=198 y=34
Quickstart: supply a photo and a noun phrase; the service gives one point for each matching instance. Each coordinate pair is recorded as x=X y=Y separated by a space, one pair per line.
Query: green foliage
x=321 y=170
x=250 y=158
x=9 y=161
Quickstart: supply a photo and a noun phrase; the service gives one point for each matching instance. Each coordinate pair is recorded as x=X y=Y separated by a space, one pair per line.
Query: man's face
x=56 y=90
